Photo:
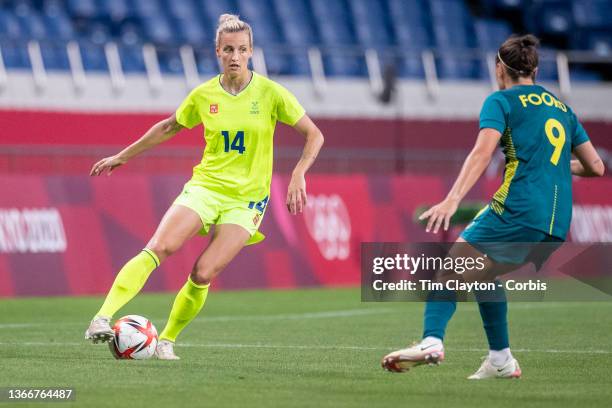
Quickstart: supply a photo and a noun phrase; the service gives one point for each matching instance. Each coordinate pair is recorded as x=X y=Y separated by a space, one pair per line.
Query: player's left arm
x=296 y=193
x=473 y=167
x=588 y=163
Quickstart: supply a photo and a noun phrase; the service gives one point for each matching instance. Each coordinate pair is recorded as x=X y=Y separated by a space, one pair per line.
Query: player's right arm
x=160 y=132
x=589 y=164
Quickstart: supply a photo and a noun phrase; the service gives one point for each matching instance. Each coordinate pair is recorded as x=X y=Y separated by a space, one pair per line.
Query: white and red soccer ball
x=135 y=338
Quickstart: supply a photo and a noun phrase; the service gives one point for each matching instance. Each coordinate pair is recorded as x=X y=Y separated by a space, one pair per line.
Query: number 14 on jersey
x=236 y=144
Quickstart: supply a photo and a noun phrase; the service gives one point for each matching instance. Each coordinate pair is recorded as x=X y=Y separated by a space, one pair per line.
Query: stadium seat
x=550 y=17
x=592 y=13
x=547 y=67
x=170 y=60
x=55 y=56
x=59 y=26
x=33 y=26
x=490 y=34
x=192 y=30
x=83 y=8
x=14 y=54
x=372 y=24
x=9 y=25
x=116 y=10
x=157 y=29
x=297 y=24
x=213 y=9
x=206 y=62
x=93 y=56
x=132 y=60
x=147 y=8
x=336 y=32
x=454 y=32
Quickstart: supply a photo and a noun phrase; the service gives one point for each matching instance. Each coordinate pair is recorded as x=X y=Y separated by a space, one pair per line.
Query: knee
x=203 y=274
x=162 y=248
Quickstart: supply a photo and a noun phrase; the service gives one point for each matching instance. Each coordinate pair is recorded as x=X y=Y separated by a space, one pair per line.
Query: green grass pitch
x=307 y=348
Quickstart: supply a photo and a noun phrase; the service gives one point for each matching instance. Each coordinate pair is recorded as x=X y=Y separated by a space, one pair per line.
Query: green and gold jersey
x=539 y=133
x=239 y=131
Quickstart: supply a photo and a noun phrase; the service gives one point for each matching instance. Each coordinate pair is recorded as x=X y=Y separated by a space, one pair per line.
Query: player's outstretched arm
x=473 y=167
x=589 y=164
x=296 y=193
x=160 y=132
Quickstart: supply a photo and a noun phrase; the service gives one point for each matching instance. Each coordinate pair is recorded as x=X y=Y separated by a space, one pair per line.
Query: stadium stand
x=342 y=30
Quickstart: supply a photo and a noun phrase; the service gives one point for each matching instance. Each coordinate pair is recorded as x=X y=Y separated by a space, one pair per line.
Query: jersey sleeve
x=494 y=113
x=188 y=114
x=288 y=109
x=580 y=135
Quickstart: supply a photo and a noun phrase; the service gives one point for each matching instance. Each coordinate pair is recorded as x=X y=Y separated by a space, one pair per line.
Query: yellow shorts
x=215 y=208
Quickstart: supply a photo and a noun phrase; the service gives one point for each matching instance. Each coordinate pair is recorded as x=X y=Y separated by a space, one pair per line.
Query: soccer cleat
x=100 y=330
x=487 y=370
x=403 y=360
x=165 y=351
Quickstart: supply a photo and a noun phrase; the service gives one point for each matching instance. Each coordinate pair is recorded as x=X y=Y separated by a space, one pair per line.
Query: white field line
x=306 y=347
x=239 y=318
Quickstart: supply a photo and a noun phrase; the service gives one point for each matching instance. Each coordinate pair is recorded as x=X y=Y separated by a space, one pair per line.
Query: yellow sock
x=128 y=282
x=187 y=304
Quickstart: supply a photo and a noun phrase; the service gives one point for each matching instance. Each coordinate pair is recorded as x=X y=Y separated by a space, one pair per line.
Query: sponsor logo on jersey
x=214 y=108
x=254 y=108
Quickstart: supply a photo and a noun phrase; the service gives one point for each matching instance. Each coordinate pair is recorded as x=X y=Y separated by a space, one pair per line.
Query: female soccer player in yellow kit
x=229 y=188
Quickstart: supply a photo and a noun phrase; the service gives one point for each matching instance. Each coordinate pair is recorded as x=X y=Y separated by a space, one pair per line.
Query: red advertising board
x=64 y=235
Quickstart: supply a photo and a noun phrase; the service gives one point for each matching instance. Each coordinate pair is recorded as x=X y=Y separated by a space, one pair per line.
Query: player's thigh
x=178 y=225
x=226 y=243
x=488 y=272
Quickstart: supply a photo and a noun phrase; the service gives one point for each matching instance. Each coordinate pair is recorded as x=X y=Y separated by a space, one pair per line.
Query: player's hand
x=438 y=214
x=296 y=194
x=107 y=164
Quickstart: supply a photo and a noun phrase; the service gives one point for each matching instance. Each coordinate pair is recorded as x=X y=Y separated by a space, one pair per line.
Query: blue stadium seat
x=454 y=33
x=9 y=25
x=116 y=10
x=411 y=25
x=599 y=42
x=130 y=32
x=297 y=24
x=83 y=8
x=336 y=32
x=593 y=13
x=33 y=26
x=490 y=34
x=213 y=9
x=157 y=29
x=192 y=30
x=502 y=6
x=550 y=17
x=547 y=66
x=97 y=33
x=207 y=62
x=147 y=8
x=55 y=56
x=170 y=60
x=131 y=56
x=372 y=24
x=181 y=9
x=14 y=54
x=93 y=56
x=59 y=26
x=410 y=21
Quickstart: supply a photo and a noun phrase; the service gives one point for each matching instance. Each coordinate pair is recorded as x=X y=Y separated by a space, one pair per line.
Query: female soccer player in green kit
x=538 y=134
x=229 y=188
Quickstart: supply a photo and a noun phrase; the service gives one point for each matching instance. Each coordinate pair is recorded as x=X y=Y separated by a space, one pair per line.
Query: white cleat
x=100 y=330
x=165 y=351
x=403 y=360
x=487 y=370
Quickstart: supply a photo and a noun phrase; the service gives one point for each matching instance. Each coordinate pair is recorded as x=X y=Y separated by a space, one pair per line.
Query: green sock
x=128 y=282
x=187 y=304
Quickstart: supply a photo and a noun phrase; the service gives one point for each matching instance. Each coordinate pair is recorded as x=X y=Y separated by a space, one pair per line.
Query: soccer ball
x=135 y=338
